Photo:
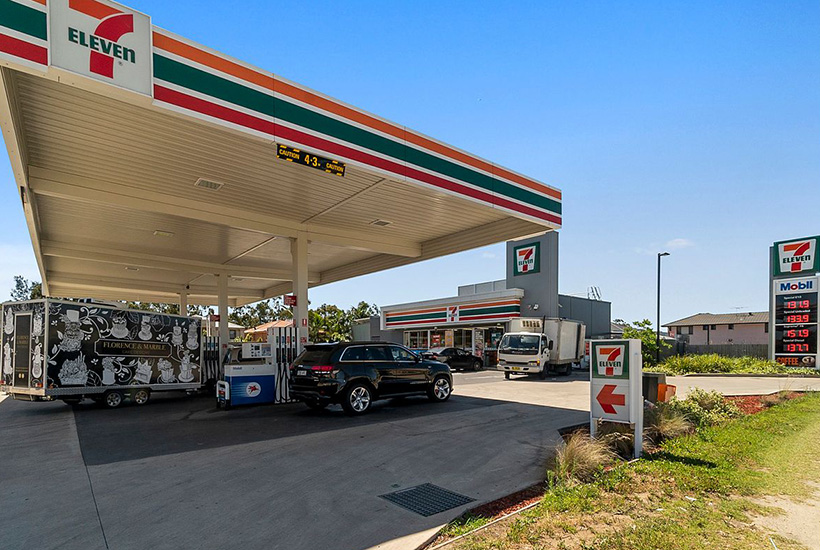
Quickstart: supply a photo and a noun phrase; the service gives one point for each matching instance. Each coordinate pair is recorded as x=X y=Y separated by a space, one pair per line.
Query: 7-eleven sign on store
x=616 y=393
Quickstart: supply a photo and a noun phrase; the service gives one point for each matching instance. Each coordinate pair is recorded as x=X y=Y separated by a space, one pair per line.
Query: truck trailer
x=57 y=349
x=555 y=347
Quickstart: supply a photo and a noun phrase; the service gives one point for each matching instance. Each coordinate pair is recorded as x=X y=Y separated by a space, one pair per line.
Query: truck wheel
x=543 y=374
x=506 y=375
x=112 y=399
x=141 y=396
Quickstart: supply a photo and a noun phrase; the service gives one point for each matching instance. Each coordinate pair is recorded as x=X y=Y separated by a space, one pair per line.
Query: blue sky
x=692 y=127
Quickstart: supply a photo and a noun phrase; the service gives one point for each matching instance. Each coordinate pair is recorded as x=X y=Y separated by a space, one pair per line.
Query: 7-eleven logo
x=525 y=259
x=609 y=360
x=797 y=256
x=102 y=40
x=453 y=314
x=102 y=43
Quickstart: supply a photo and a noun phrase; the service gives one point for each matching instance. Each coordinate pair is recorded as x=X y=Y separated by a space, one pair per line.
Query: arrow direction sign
x=615 y=385
x=607 y=398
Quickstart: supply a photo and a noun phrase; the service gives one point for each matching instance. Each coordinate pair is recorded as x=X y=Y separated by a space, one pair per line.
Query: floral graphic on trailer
x=74 y=372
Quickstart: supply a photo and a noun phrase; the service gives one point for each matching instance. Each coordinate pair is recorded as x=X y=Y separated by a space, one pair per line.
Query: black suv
x=357 y=373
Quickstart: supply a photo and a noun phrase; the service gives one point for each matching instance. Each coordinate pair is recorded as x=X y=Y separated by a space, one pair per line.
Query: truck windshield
x=519 y=342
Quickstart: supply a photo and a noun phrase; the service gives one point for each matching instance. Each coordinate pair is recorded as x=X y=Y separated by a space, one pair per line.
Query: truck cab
x=524 y=353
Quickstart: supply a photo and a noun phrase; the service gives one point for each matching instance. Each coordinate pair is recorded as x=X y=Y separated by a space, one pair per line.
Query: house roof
x=747 y=318
x=283 y=323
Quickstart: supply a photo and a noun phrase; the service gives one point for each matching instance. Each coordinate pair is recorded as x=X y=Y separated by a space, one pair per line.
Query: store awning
x=469 y=310
x=147 y=165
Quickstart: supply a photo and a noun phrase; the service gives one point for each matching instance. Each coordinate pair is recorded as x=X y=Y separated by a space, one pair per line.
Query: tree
x=329 y=323
x=25 y=289
x=643 y=331
x=253 y=315
x=362 y=311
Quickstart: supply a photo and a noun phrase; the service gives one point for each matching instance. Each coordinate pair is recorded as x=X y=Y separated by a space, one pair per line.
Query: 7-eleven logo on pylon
x=610 y=360
x=527 y=259
x=797 y=256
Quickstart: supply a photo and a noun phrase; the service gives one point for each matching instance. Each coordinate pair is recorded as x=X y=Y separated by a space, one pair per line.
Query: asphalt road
x=178 y=473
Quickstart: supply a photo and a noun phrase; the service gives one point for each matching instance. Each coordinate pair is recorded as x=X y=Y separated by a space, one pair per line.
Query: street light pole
x=658 y=326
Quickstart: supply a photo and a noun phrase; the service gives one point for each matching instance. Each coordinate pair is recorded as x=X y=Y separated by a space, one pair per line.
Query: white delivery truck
x=58 y=349
x=555 y=347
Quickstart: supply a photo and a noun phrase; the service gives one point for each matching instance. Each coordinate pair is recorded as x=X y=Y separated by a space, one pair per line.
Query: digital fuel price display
x=796 y=328
x=796 y=339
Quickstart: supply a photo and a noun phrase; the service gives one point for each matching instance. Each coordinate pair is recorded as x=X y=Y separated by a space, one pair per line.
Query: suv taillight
x=322 y=369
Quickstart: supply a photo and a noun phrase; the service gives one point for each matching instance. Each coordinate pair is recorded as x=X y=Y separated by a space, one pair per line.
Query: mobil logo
x=792 y=286
x=797 y=256
x=609 y=359
x=253 y=389
x=102 y=40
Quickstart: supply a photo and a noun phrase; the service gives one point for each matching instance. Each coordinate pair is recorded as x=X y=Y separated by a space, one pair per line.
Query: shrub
x=620 y=438
x=718 y=364
x=664 y=422
x=580 y=458
x=705 y=408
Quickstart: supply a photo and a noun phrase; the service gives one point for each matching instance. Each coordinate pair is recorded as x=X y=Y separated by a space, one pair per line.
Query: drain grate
x=427 y=500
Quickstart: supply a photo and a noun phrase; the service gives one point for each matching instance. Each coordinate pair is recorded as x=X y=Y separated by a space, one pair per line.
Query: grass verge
x=694 y=492
x=718 y=364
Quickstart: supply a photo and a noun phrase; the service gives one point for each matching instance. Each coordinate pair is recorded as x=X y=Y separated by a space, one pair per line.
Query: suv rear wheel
x=440 y=390
x=358 y=398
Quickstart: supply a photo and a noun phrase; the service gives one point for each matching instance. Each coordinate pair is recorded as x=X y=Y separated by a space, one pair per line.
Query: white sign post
x=616 y=389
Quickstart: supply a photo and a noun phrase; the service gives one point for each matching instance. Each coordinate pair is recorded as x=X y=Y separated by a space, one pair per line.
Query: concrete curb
x=493 y=522
x=476 y=530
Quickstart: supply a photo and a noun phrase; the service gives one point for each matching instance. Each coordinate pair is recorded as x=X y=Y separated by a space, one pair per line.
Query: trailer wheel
x=141 y=396
x=112 y=399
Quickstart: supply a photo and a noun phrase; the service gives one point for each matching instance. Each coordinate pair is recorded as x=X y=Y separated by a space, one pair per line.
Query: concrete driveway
x=178 y=473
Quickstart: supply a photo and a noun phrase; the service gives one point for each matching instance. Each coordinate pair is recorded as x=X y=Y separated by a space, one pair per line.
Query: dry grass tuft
x=579 y=460
x=663 y=422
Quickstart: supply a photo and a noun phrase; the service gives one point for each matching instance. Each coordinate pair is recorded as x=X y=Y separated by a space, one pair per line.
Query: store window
x=416 y=339
x=463 y=339
x=437 y=338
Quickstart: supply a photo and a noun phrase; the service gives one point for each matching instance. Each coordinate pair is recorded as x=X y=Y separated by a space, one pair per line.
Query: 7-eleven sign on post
x=616 y=371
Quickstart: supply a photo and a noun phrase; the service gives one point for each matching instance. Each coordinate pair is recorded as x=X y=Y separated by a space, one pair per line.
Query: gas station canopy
x=149 y=166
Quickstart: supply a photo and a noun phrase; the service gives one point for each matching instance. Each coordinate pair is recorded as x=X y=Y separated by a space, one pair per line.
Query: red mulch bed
x=753 y=404
x=510 y=503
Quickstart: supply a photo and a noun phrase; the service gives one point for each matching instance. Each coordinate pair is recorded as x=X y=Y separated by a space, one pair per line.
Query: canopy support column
x=183 y=301
x=224 y=334
x=299 y=256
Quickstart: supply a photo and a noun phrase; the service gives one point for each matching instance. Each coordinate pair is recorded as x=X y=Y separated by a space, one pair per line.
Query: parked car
x=355 y=374
x=457 y=359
